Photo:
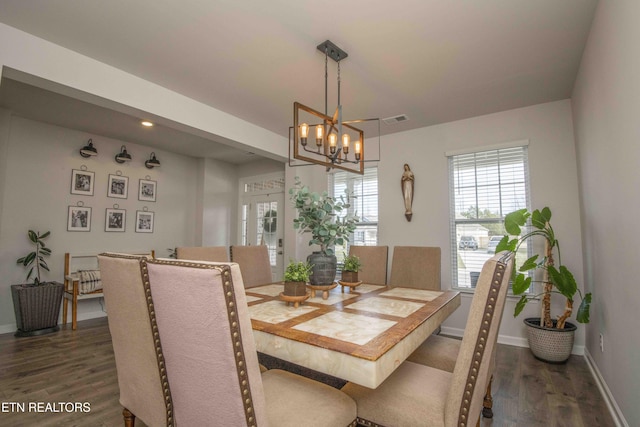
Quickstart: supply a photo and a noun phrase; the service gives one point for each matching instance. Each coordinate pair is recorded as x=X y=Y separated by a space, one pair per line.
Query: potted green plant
x=350 y=268
x=328 y=221
x=296 y=276
x=36 y=305
x=549 y=339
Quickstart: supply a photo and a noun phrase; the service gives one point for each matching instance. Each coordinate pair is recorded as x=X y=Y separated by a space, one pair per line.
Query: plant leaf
x=521 y=284
x=538 y=220
x=563 y=280
x=583 y=311
x=529 y=264
x=520 y=305
x=514 y=220
x=505 y=245
x=33 y=236
x=45 y=235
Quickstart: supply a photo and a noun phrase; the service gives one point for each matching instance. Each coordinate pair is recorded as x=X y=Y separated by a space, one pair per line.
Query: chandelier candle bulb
x=357 y=149
x=319 y=135
x=333 y=141
x=346 y=139
x=304 y=133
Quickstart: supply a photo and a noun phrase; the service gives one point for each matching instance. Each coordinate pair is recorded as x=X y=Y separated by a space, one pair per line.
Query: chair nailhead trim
x=488 y=315
x=236 y=335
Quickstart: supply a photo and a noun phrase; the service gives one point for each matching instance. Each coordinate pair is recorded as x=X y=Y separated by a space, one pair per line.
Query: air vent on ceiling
x=396 y=119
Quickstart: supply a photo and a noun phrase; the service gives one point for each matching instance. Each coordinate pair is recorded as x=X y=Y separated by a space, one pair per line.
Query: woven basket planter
x=37 y=308
x=549 y=344
x=324 y=269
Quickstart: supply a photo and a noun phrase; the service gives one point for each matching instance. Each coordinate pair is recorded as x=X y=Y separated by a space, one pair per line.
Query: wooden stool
x=296 y=300
x=350 y=285
x=324 y=288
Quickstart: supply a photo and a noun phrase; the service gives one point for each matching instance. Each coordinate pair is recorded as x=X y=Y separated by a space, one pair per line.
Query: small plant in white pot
x=330 y=224
x=36 y=305
x=549 y=339
x=296 y=276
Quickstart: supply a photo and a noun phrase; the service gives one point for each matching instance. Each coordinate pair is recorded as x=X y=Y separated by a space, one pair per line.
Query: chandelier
x=336 y=142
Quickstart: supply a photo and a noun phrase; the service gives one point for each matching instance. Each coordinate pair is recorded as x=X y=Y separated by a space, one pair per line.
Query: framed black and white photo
x=82 y=182
x=144 y=222
x=79 y=218
x=115 y=220
x=147 y=190
x=118 y=186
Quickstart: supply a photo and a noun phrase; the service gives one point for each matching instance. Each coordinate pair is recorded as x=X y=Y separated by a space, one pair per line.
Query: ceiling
x=435 y=61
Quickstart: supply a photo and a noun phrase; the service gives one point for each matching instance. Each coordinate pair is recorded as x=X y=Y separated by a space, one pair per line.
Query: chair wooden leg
x=74 y=314
x=487 y=405
x=65 y=308
x=129 y=418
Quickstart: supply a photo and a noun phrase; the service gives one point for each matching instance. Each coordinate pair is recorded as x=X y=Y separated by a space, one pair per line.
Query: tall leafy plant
x=36 y=260
x=556 y=280
x=325 y=217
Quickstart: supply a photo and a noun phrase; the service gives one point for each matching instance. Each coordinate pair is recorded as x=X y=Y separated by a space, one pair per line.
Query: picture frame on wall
x=118 y=186
x=82 y=182
x=147 y=190
x=144 y=221
x=115 y=220
x=79 y=218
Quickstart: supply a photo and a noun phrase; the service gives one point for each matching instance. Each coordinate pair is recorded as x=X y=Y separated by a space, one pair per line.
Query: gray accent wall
x=606 y=111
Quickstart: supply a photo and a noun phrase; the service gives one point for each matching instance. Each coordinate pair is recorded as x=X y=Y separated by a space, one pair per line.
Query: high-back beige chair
x=255 y=264
x=415 y=394
x=374 y=263
x=211 y=360
x=203 y=253
x=143 y=390
x=416 y=267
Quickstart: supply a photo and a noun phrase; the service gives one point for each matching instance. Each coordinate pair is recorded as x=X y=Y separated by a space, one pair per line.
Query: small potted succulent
x=296 y=277
x=350 y=268
x=36 y=305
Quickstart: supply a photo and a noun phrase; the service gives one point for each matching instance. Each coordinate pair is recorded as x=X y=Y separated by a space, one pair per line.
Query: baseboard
x=578 y=350
x=11 y=327
x=616 y=413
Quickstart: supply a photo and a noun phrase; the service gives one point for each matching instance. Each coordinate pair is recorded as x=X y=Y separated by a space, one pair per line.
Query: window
x=484 y=187
x=364 y=204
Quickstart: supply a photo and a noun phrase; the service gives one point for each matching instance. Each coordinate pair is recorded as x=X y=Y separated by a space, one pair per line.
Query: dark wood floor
x=78 y=366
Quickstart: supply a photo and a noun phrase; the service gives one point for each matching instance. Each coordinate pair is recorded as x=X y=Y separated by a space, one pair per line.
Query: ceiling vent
x=396 y=119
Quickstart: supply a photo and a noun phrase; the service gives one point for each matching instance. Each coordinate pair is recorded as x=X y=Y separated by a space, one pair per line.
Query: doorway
x=261 y=211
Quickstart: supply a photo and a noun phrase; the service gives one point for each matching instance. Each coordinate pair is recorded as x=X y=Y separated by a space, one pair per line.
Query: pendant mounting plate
x=333 y=51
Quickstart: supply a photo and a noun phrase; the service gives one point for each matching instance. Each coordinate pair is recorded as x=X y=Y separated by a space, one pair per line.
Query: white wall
x=220 y=203
x=38 y=162
x=553 y=179
x=606 y=109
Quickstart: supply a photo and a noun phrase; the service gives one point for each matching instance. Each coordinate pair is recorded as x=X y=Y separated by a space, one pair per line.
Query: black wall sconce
x=123 y=156
x=152 y=162
x=88 y=150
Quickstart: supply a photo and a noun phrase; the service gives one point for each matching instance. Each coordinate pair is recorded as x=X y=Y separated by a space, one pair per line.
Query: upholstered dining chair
x=203 y=253
x=254 y=262
x=210 y=355
x=142 y=390
x=441 y=353
x=416 y=267
x=374 y=263
x=415 y=394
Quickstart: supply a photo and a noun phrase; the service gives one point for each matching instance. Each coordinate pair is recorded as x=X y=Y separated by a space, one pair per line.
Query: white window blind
x=484 y=186
x=364 y=204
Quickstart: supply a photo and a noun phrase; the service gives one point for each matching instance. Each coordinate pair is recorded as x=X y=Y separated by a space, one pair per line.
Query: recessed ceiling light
x=146 y=123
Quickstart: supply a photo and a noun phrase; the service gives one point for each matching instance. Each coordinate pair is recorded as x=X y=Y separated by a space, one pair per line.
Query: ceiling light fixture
x=334 y=137
x=123 y=156
x=146 y=123
x=152 y=162
x=88 y=150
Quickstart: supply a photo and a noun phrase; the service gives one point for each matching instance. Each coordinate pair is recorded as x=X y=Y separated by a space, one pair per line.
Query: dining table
x=359 y=334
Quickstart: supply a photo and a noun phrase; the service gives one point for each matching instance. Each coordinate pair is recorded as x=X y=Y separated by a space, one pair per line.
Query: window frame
x=350 y=178
x=498 y=184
